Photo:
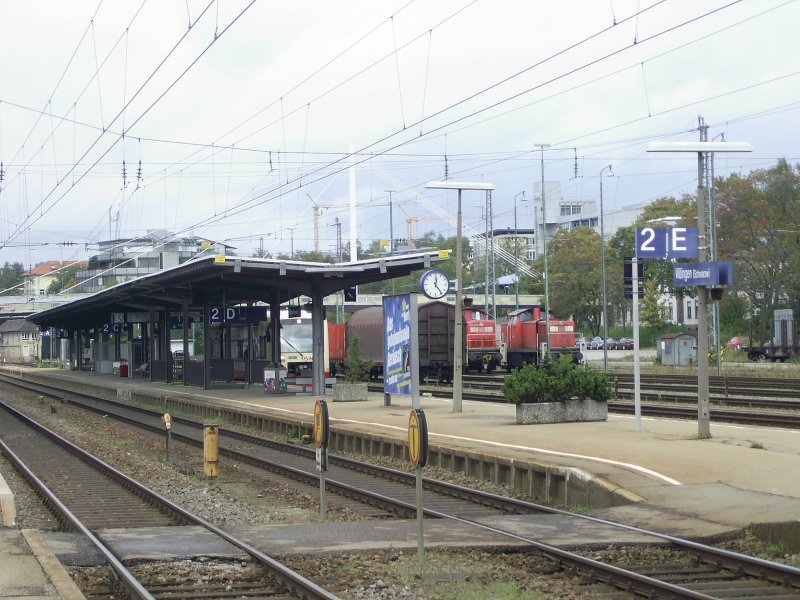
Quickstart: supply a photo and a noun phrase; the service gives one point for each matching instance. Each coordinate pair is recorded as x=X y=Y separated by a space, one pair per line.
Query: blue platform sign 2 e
x=667 y=242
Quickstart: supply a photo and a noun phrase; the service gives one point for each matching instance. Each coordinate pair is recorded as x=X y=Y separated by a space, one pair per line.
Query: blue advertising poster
x=397 y=347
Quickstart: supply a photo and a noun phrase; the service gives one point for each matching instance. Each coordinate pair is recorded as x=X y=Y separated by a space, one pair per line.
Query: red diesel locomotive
x=524 y=337
x=436 y=321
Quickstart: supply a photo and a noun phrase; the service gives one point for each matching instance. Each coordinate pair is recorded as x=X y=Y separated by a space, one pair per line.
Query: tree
x=653 y=314
x=66 y=278
x=410 y=283
x=11 y=278
x=575 y=276
x=759 y=231
x=261 y=253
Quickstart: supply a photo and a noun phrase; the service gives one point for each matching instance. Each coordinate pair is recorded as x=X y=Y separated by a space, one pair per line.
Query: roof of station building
x=232 y=280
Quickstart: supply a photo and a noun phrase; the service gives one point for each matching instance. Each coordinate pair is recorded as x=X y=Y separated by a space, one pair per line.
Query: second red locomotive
x=525 y=337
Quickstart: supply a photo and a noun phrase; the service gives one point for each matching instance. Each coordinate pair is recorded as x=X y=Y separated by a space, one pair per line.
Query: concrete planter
x=350 y=392
x=562 y=412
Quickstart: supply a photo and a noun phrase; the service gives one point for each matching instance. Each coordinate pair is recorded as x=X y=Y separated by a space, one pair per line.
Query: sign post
x=321 y=427
x=683 y=242
x=418 y=452
x=637 y=369
x=703 y=149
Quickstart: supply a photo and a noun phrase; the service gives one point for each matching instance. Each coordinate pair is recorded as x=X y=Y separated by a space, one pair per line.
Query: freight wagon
x=436 y=322
x=784 y=344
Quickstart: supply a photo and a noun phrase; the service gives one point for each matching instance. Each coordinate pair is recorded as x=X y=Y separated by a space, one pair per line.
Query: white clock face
x=435 y=284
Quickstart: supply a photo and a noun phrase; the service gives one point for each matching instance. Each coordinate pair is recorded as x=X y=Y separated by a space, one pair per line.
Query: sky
x=240 y=120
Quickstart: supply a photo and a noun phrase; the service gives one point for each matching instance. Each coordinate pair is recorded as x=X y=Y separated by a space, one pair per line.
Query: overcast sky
x=242 y=114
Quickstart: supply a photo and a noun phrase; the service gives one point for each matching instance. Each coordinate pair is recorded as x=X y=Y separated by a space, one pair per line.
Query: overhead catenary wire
x=302 y=179
x=147 y=110
x=483 y=109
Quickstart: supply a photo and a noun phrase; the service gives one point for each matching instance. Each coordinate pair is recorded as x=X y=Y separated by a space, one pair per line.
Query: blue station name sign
x=703 y=273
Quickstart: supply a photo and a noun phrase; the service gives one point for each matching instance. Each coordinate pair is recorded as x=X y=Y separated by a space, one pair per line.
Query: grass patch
x=757 y=445
x=123 y=442
x=446 y=577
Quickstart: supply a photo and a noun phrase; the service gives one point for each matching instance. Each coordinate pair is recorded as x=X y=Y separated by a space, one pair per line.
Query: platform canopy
x=231 y=280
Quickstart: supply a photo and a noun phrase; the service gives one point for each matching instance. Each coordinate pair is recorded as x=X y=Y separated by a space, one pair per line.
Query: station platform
x=674 y=482
x=30 y=570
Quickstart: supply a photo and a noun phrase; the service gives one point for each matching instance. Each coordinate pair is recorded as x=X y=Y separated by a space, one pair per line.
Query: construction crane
x=317 y=214
x=410 y=220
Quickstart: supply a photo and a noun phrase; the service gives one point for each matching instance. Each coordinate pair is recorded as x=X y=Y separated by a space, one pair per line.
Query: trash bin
x=123 y=370
x=274 y=380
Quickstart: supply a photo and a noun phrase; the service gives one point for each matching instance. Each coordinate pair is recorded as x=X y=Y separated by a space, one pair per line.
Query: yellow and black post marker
x=418 y=452
x=211 y=450
x=417 y=438
x=166 y=419
x=321 y=427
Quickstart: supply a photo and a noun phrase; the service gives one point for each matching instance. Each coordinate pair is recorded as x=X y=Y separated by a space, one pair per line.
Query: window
x=147 y=262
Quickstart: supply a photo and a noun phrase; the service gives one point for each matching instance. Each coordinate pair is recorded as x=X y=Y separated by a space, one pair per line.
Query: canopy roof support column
x=275 y=329
x=185 y=358
x=206 y=342
x=318 y=335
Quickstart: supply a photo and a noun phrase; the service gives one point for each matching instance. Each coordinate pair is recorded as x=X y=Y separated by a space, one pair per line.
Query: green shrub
x=355 y=368
x=556 y=381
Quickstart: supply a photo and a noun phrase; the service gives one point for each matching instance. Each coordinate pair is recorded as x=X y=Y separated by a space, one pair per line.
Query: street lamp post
x=458 y=351
x=701 y=148
x=516 y=252
x=603 y=270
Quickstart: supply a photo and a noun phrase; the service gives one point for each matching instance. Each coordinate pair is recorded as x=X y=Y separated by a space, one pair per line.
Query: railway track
x=389 y=490
x=89 y=496
x=693 y=571
x=676 y=385
x=699 y=572
x=753 y=401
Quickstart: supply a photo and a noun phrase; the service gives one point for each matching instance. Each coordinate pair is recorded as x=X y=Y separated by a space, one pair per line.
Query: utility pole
x=703 y=148
x=391 y=226
x=391 y=232
x=340 y=294
x=516 y=252
x=544 y=249
x=491 y=280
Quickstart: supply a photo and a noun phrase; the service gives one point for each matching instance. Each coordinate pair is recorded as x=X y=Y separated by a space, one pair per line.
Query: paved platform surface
x=30 y=570
x=688 y=487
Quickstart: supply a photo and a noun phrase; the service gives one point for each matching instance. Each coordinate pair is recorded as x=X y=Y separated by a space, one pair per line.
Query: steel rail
x=296 y=583
x=753 y=566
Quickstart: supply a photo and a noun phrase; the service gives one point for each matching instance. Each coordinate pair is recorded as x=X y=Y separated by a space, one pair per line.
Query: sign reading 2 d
x=667 y=242
x=704 y=273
